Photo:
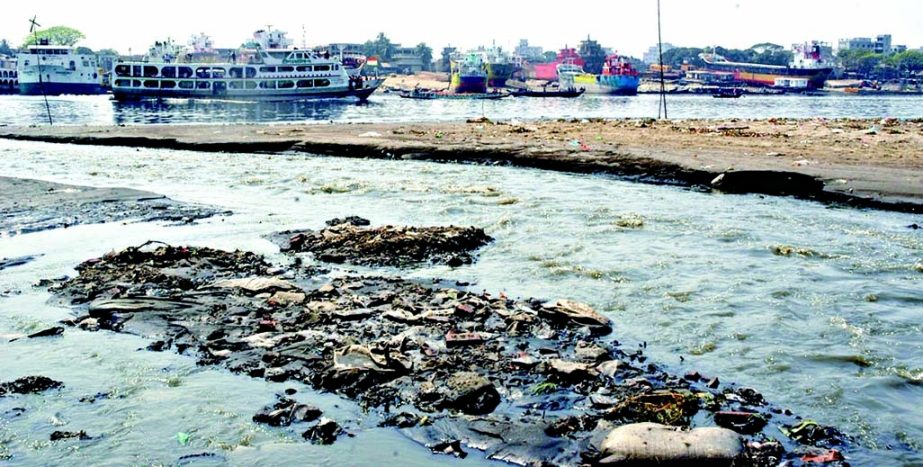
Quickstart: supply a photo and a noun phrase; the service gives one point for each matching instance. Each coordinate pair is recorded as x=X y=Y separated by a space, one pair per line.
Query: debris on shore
x=352 y=241
x=29 y=385
x=34 y=205
x=526 y=381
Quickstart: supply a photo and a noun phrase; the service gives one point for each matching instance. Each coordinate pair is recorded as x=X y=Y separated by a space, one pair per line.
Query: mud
x=33 y=205
x=527 y=381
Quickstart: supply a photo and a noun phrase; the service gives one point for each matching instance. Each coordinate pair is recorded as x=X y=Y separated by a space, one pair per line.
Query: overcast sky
x=629 y=27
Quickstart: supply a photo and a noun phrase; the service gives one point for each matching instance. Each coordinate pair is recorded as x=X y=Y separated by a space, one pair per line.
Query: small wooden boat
x=568 y=93
x=727 y=93
x=432 y=95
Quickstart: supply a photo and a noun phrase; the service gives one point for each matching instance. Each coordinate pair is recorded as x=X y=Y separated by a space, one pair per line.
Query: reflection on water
x=102 y=110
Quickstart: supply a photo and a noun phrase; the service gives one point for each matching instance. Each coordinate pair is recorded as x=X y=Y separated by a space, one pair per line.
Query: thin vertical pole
x=663 y=89
x=41 y=84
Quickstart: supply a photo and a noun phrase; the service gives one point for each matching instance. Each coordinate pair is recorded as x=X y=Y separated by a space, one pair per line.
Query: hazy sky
x=628 y=26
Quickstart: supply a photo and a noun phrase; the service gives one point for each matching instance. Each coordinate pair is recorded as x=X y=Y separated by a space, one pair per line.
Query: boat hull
x=134 y=94
x=469 y=84
x=764 y=75
x=57 y=89
x=616 y=85
x=499 y=73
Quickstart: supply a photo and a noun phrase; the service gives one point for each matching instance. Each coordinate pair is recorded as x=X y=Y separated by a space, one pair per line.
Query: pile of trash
x=352 y=241
x=526 y=381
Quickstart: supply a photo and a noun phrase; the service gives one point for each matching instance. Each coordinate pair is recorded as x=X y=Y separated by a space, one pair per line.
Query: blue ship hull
x=57 y=89
x=622 y=85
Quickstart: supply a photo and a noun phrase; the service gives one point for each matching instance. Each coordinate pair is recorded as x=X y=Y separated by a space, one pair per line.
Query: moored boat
x=56 y=69
x=499 y=66
x=469 y=74
x=807 y=70
x=264 y=73
x=433 y=95
x=566 y=93
x=618 y=77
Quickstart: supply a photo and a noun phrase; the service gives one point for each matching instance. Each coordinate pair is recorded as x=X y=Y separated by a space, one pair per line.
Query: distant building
x=445 y=63
x=899 y=48
x=341 y=48
x=407 y=60
x=9 y=82
x=527 y=51
x=653 y=53
x=881 y=44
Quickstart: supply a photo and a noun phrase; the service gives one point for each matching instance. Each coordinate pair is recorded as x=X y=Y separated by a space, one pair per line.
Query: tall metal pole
x=41 y=84
x=663 y=89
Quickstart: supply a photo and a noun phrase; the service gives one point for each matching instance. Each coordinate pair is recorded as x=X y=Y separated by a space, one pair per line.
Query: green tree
x=107 y=52
x=56 y=35
x=549 y=56
x=907 y=62
x=380 y=46
x=84 y=51
x=426 y=55
x=5 y=48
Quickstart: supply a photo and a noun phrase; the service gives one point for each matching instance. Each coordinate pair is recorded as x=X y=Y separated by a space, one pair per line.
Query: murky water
x=101 y=110
x=834 y=335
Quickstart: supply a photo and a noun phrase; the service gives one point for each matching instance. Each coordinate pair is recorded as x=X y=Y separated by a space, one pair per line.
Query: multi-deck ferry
x=264 y=73
x=57 y=69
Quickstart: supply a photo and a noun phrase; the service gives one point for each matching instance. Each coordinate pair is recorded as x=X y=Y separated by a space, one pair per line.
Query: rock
x=451 y=448
x=254 y=285
x=353 y=315
x=405 y=420
x=324 y=432
x=609 y=368
x=286 y=299
x=569 y=372
x=746 y=423
x=29 y=385
x=285 y=412
x=653 y=444
x=462 y=339
x=568 y=313
x=471 y=393
x=351 y=220
x=59 y=435
x=591 y=352
x=811 y=433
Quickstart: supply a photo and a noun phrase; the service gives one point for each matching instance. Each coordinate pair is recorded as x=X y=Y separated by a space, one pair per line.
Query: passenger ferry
x=265 y=73
x=9 y=83
x=56 y=69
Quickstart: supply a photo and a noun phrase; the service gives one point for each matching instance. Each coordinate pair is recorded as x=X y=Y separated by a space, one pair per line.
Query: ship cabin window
x=202 y=84
x=286 y=84
x=336 y=67
x=184 y=72
x=305 y=68
x=167 y=84
x=250 y=84
x=236 y=72
x=305 y=83
x=268 y=69
x=203 y=73
x=123 y=83
x=150 y=71
x=235 y=84
x=26 y=63
x=86 y=63
x=286 y=69
x=267 y=84
x=122 y=70
x=136 y=83
x=152 y=83
x=168 y=72
x=251 y=72
x=322 y=68
x=186 y=84
x=319 y=83
x=218 y=73
x=136 y=70
x=95 y=76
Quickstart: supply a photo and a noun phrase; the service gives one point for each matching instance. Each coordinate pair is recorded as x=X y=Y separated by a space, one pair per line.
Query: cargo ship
x=618 y=77
x=57 y=69
x=549 y=71
x=469 y=74
x=807 y=70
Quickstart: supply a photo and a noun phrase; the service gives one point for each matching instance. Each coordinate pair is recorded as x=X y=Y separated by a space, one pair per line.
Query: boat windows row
x=167 y=84
x=205 y=72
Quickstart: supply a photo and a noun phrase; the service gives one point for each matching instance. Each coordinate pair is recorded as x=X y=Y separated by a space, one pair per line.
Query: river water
x=101 y=110
x=835 y=336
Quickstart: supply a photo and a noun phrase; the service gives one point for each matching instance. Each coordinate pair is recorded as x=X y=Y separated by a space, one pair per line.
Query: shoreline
x=860 y=163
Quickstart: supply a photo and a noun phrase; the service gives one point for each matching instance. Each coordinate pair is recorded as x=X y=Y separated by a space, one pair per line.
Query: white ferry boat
x=57 y=69
x=270 y=71
x=9 y=82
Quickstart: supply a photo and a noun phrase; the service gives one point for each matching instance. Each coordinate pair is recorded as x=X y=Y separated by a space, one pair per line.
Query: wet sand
x=865 y=163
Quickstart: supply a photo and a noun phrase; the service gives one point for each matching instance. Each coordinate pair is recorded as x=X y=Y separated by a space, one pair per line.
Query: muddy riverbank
x=863 y=163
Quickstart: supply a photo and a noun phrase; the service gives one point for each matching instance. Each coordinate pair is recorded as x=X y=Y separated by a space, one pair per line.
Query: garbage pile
x=526 y=381
x=352 y=241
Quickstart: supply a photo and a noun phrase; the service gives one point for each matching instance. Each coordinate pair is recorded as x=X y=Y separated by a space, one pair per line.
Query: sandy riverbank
x=868 y=163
